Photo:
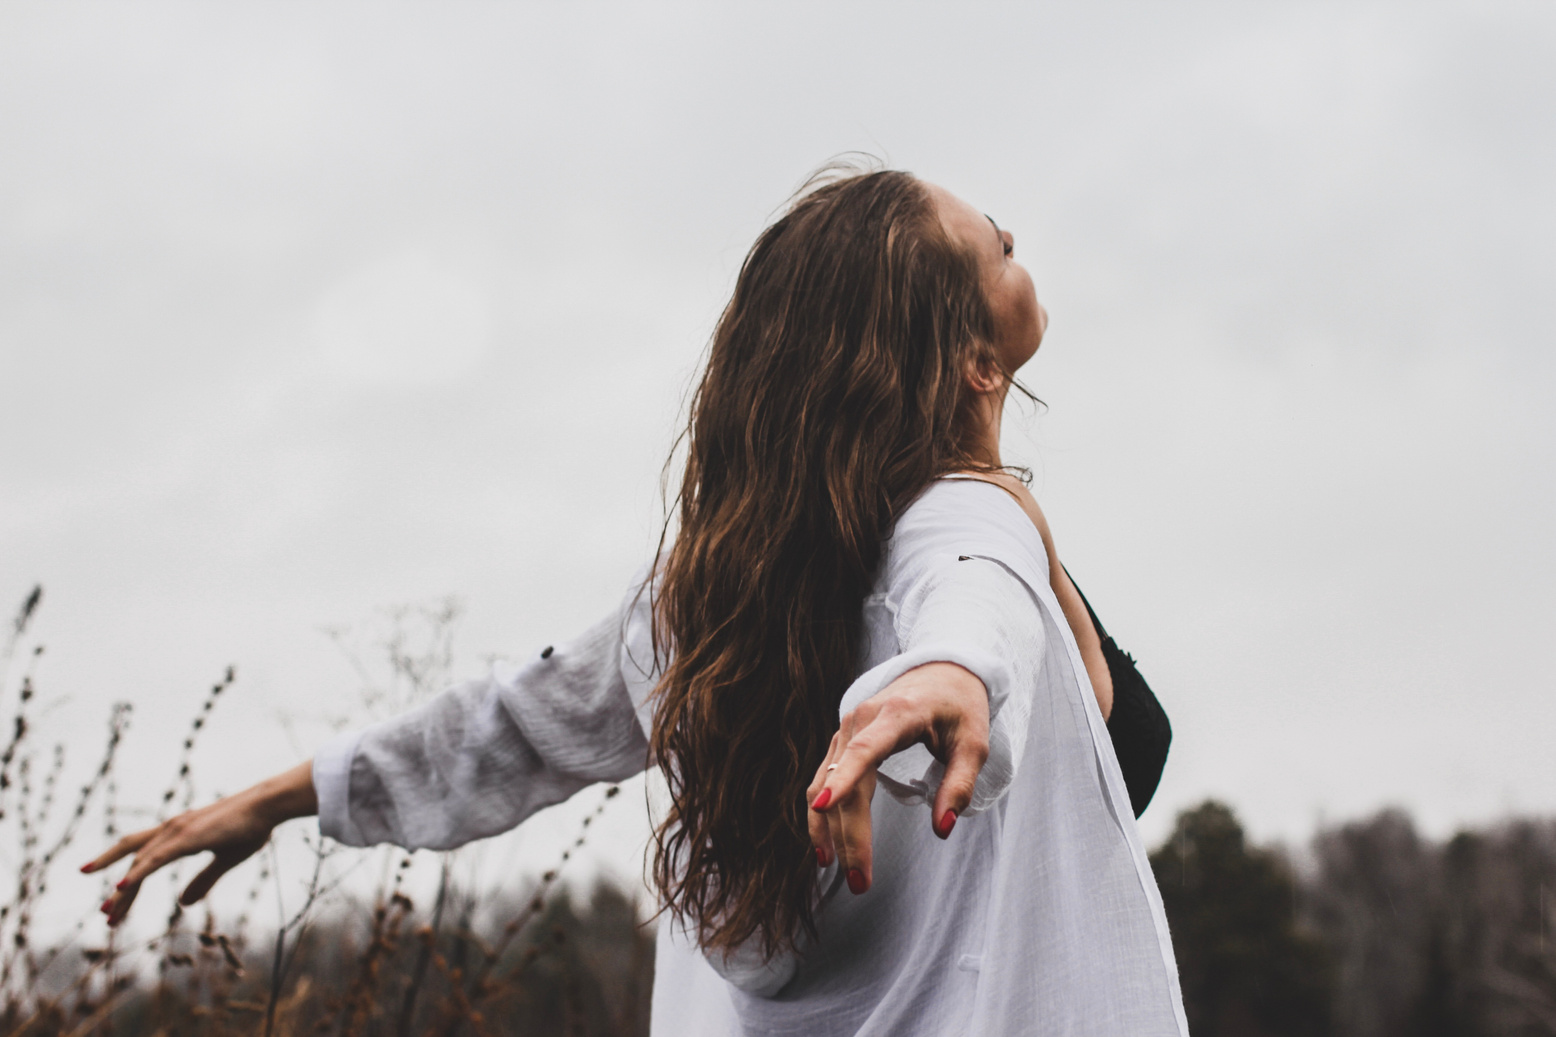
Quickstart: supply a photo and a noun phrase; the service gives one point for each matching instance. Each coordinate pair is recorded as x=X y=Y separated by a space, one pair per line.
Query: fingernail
x=821 y=857
x=107 y=906
x=122 y=884
x=855 y=881
x=86 y=869
x=947 y=822
x=822 y=800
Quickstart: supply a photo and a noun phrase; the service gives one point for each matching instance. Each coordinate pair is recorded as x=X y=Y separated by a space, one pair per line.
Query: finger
x=834 y=747
x=129 y=844
x=847 y=729
x=162 y=849
x=895 y=726
x=839 y=851
x=816 y=824
x=820 y=800
x=168 y=847
x=821 y=791
x=202 y=883
x=968 y=755
x=853 y=816
x=118 y=905
x=815 y=820
x=845 y=733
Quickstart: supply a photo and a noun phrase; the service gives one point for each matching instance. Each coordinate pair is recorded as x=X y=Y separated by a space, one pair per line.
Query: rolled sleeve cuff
x=332 y=784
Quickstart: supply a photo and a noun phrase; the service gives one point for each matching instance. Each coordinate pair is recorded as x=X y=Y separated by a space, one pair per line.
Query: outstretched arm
x=475 y=761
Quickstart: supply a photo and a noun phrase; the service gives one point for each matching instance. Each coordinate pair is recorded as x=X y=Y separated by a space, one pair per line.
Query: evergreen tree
x=1247 y=967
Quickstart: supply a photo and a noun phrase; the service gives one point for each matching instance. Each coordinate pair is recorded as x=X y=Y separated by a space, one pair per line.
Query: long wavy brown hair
x=835 y=391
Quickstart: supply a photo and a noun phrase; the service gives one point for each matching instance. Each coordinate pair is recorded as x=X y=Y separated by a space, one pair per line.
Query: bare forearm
x=286 y=795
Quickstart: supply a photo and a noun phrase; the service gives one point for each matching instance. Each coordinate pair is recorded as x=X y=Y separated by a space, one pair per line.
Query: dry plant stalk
x=412 y=976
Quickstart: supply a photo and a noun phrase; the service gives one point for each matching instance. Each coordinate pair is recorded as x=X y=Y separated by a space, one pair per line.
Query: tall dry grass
x=469 y=961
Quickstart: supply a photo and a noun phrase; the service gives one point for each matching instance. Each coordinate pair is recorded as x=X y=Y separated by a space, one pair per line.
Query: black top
x=1138 y=724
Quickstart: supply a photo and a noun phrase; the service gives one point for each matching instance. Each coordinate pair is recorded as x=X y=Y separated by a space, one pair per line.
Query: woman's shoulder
x=956 y=516
x=962 y=504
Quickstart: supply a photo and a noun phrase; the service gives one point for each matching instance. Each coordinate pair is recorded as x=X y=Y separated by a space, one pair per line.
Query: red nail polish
x=122 y=884
x=86 y=869
x=821 y=857
x=947 y=822
x=855 y=881
x=107 y=906
x=822 y=800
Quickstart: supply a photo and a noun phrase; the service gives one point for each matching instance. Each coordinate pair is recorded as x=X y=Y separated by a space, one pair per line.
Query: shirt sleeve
x=486 y=754
x=960 y=591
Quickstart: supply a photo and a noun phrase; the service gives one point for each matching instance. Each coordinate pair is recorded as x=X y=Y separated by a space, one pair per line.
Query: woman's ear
x=984 y=376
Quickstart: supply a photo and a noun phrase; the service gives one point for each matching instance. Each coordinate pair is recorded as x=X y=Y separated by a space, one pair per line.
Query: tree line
x=1375 y=932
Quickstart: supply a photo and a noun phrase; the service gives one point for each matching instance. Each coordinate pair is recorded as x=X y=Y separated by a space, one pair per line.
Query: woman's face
x=1019 y=319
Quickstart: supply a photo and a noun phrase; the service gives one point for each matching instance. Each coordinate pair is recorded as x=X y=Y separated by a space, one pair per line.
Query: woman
x=857 y=593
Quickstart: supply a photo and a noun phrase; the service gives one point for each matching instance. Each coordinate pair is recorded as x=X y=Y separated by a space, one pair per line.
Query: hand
x=232 y=828
x=942 y=705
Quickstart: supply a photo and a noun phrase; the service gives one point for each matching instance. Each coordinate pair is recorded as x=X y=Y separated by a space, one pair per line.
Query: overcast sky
x=307 y=310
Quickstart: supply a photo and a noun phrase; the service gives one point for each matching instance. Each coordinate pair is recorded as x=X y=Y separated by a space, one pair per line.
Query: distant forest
x=1381 y=934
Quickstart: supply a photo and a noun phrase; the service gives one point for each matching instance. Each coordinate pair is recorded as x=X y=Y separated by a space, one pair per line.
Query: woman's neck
x=986 y=432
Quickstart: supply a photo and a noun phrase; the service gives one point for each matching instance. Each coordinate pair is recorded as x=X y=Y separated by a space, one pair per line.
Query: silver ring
x=832 y=768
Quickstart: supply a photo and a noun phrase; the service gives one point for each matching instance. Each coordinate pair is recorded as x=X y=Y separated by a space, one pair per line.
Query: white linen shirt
x=1039 y=915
